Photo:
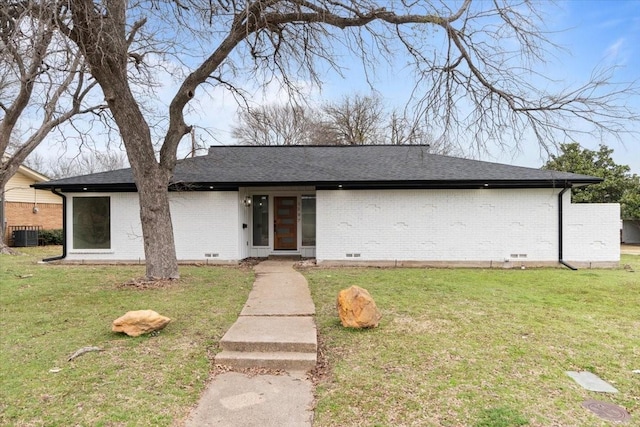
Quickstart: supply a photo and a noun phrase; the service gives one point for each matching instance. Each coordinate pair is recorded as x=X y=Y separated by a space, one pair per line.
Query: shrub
x=50 y=237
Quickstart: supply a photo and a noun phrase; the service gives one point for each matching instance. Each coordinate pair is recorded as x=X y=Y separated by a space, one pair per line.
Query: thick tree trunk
x=106 y=48
x=151 y=178
x=157 y=228
x=152 y=181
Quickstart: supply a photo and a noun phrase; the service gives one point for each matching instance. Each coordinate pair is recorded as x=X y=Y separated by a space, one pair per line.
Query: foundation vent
x=518 y=255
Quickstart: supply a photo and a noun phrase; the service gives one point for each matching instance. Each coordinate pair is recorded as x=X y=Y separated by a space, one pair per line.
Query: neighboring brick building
x=24 y=206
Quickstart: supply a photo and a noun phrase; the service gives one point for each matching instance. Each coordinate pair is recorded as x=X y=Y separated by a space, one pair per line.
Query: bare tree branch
x=34 y=58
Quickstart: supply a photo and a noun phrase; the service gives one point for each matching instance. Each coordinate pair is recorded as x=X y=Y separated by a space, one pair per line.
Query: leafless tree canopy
x=84 y=163
x=354 y=120
x=43 y=83
x=472 y=62
x=42 y=76
x=274 y=125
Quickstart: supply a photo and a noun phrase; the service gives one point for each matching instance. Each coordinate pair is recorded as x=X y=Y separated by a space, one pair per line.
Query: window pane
x=308 y=220
x=91 y=223
x=260 y=220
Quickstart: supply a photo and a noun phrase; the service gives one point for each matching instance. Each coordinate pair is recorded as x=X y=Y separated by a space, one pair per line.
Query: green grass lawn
x=456 y=347
x=471 y=347
x=49 y=311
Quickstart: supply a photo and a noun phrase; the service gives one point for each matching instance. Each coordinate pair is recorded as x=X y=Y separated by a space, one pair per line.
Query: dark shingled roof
x=372 y=166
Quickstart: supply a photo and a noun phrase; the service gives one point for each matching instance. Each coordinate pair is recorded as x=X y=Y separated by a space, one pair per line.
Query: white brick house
x=376 y=205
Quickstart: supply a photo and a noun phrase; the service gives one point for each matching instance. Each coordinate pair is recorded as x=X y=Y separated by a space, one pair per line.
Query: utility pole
x=193 y=141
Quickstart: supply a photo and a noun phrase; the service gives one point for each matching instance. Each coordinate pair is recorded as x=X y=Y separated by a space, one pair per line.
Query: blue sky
x=608 y=32
x=593 y=34
x=598 y=33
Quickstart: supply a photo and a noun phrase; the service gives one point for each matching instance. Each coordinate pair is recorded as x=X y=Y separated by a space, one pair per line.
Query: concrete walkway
x=275 y=330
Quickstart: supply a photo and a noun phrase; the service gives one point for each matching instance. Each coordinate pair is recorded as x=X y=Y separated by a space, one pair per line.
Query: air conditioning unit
x=23 y=238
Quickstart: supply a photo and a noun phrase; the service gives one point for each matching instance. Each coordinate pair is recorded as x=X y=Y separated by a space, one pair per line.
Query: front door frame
x=272 y=193
x=285 y=223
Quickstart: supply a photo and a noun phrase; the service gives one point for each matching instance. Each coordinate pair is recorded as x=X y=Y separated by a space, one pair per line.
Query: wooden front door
x=285 y=223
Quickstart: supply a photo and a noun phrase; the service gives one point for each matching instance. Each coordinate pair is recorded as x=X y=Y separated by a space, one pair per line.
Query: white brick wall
x=459 y=226
x=441 y=225
x=203 y=223
x=591 y=232
x=206 y=222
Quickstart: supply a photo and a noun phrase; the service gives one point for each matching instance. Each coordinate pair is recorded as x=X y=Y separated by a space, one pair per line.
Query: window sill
x=92 y=251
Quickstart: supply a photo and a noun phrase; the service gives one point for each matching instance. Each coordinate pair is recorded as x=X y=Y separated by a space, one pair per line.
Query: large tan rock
x=357 y=309
x=135 y=323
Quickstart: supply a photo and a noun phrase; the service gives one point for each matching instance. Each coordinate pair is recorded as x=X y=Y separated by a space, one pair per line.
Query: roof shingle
x=358 y=166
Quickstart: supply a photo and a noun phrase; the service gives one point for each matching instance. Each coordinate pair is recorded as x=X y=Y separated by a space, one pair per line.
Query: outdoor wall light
x=247 y=201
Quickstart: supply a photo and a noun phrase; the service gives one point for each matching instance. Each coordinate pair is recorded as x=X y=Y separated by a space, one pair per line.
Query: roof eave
x=333 y=185
x=80 y=188
x=454 y=184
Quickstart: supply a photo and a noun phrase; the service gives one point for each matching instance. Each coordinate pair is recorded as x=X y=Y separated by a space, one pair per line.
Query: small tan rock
x=135 y=323
x=357 y=309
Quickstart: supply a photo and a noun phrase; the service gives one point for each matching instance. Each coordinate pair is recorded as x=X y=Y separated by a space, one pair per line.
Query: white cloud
x=616 y=52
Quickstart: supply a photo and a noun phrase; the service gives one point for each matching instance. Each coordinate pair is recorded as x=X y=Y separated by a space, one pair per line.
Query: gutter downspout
x=560 y=230
x=64 y=228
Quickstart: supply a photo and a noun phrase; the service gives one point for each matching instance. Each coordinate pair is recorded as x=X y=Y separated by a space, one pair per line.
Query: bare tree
x=38 y=163
x=356 y=120
x=484 y=86
x=401 y=131
x=478 y=88
x=324 y=132
x=86 y=163
x=274 y=125
x=38 y=71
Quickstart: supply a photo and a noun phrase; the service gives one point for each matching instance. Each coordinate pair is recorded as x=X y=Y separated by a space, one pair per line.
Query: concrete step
x=284 y=257
x=291 y=347
x=288 y=361
x=271 y=334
